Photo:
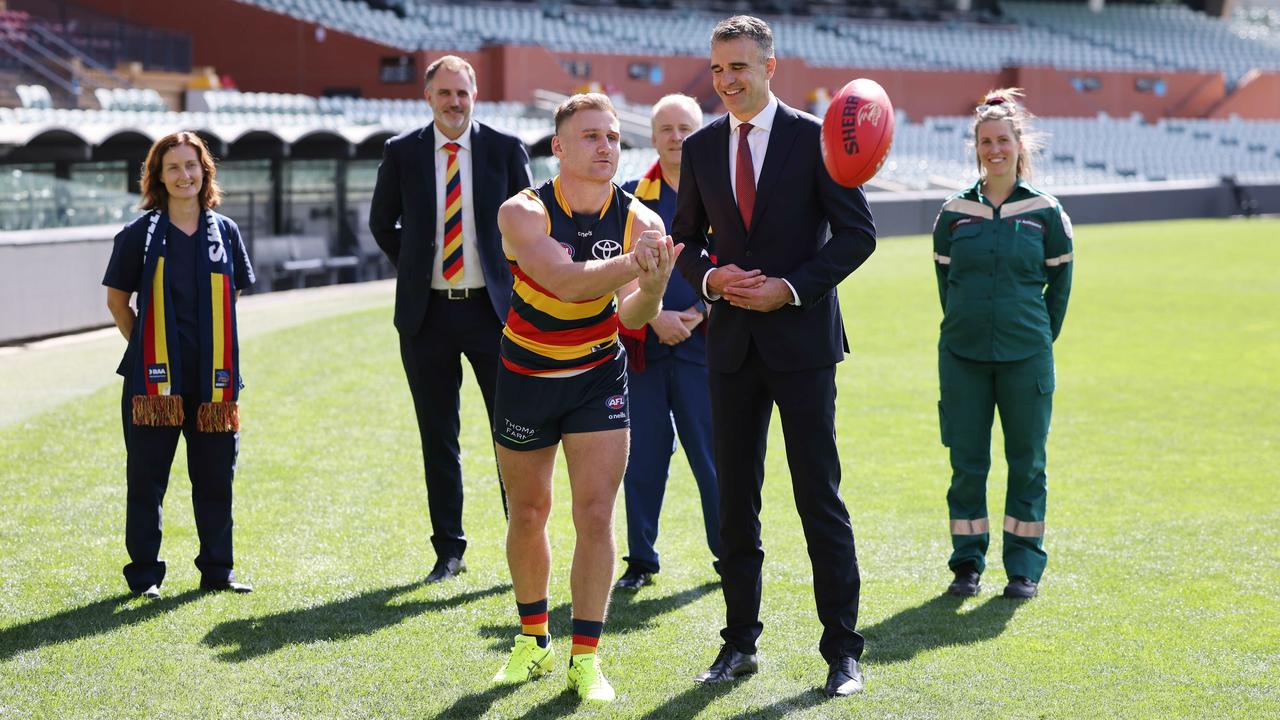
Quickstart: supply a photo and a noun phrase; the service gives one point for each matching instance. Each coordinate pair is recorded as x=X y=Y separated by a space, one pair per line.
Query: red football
x=857 y=132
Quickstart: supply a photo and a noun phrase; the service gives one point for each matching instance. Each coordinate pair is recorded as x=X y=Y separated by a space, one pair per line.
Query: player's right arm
x=522 y=221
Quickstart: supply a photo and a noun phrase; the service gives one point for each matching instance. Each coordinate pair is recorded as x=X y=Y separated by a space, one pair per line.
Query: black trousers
x=211 y=464
x=433 y=366
x=741 y=405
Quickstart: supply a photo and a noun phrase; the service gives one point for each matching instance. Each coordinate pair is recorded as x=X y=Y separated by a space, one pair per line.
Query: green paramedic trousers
x=971 y=392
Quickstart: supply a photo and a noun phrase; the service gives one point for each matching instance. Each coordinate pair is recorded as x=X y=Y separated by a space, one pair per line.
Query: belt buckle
x=461 y=293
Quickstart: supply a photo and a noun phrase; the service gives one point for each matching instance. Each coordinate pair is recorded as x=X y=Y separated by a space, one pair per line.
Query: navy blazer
x=805 y=229
x=402 y=215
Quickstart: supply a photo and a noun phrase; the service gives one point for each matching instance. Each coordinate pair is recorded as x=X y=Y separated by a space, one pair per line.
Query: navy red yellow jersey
x=1004 y=273
x=551 y=337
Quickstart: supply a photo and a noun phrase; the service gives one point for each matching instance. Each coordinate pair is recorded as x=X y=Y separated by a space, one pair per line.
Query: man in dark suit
x=786 y=235
x=435 y=214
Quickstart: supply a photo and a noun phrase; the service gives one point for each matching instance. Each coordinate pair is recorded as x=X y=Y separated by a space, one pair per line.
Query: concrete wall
x=1256 y=98
x=51 y=281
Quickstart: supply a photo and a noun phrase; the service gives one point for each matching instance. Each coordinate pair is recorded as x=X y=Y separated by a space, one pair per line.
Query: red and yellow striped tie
x=452 y=264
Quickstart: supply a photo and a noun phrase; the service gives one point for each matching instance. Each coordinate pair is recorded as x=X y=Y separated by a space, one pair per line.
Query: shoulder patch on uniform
x=1039 y=202
x=1066 y=224
x=968 y=207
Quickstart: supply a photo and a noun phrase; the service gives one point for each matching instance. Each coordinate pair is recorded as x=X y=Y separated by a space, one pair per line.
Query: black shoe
x=966 y=582
x=225 y=584
x=1020 y=588
x=844 y=678
x=729 y=665
x=446 y=569
x=151 y=593
x=634 y=579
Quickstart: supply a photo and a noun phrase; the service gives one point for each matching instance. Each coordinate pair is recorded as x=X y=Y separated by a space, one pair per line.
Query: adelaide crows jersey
x=551 y=337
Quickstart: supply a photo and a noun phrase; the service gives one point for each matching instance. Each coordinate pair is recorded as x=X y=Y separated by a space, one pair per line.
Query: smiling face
x=998 y=149
x=671 y=125
x=588 y=144
x=740 y=72
x=451 y=95
x=181 y=172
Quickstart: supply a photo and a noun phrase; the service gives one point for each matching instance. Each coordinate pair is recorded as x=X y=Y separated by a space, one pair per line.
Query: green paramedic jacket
x=1004 y=274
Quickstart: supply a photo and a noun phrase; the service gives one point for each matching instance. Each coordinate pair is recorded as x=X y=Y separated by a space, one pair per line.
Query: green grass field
x=1161 y=599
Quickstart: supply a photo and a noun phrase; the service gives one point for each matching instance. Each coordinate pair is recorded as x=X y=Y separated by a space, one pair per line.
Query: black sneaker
x=966 y=582
x=634 y=579
x=1020 y=588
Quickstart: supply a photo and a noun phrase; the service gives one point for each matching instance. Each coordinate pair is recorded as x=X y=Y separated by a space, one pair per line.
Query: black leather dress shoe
x=1020 y=588
x=844 y=678
x=966 y=582
x=634 y=579
x=228 y=584
x=729 y=665
x=446 y=569
x=151 y=593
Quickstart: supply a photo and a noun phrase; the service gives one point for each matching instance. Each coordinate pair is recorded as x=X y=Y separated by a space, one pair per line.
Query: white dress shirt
x=472 y=273
x=758 y=143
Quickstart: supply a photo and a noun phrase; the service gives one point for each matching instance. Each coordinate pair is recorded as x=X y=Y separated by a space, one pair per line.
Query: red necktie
x=745 y=176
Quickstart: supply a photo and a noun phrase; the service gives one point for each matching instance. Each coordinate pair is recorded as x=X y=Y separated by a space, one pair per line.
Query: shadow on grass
x=935 y=624
x=782 y=708
x=477 y=705
x=626 y=613
x=363 y=614
x=96 y=618
x=560 y=705
x=692 y=701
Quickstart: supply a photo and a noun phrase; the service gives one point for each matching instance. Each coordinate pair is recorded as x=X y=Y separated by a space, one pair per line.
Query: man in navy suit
x=785 y=235
x=435 y=214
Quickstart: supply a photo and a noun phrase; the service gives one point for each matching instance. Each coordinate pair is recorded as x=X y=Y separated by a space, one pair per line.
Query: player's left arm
x=640 y=300
x=1059 y=259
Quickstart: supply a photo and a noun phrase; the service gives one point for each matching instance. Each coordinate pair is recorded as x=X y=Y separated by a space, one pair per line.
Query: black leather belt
x=459 y=293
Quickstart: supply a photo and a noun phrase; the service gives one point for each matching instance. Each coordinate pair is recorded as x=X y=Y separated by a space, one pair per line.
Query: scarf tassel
x=158 y=410
x=219 y=417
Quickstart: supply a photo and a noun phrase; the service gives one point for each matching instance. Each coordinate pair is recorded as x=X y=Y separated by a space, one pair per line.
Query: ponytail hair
x=1005 y=104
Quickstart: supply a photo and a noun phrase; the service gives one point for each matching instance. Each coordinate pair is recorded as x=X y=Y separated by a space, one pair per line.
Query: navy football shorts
x=532 y=412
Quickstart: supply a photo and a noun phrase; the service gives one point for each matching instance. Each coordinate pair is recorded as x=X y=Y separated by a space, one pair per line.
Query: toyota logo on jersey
x=605 y=249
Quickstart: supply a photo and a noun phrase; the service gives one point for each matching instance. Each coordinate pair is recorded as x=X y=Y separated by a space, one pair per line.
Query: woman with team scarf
x=187 y=265
x=1002 y=250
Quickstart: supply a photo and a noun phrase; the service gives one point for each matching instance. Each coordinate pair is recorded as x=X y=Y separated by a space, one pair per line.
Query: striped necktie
x=452 y=264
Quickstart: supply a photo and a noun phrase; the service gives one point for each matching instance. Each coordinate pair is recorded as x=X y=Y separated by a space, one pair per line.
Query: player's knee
x=593 y=517
x=534 y=511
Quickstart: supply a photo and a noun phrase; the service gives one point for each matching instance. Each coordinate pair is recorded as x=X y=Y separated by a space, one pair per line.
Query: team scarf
x=156 y=375
x=649 y=188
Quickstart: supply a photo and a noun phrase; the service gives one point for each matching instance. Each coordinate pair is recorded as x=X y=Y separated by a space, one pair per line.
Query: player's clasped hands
x=655 y=255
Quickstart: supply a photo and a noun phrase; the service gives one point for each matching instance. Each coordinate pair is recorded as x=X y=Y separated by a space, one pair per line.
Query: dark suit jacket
x=402 y=215
x=805 y=229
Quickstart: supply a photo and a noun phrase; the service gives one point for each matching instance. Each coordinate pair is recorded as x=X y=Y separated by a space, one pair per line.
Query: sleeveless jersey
x=550 y=337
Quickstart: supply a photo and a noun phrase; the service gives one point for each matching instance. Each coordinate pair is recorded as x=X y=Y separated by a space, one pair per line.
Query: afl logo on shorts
x=567 y=248
x=605 y=249
x=616 y=402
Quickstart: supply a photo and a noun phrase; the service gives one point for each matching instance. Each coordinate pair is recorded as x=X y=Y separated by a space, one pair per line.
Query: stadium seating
x=1153 y=36
x=1088 y=151
x=34 y=200
x=144 y=108
x=1056 y=34
x=35 y=97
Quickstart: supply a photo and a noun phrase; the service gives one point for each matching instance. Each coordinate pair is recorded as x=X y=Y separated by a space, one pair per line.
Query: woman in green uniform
x=1002 y=250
